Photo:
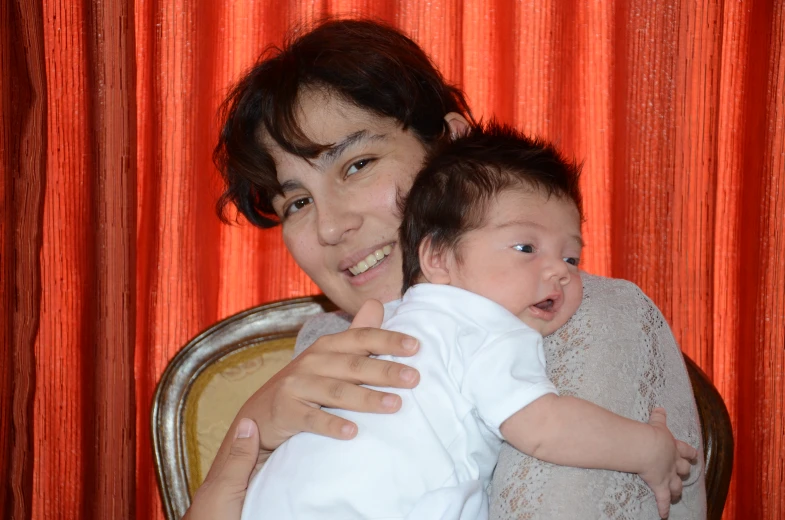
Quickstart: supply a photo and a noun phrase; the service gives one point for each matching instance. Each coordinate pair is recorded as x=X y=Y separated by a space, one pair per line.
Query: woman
x=322 y=137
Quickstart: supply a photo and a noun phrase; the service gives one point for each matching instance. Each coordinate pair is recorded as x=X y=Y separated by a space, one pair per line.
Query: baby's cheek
x=573 y=296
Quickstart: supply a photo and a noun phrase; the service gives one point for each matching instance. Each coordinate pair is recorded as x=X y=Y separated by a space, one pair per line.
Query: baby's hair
x=451 y=194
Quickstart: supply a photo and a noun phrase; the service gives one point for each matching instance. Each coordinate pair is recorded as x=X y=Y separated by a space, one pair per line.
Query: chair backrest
x=717 y=439
x=207 y=382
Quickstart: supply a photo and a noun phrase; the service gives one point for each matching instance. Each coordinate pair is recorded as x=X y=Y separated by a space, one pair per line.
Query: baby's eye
x=573 y=261
x=296 y=206
x=524 y=248
x=357 y=166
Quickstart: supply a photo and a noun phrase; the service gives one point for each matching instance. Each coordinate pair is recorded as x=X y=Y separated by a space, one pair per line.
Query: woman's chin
x=353 y=297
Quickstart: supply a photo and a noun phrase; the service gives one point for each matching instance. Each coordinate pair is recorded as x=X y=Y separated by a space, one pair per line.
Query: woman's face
x=339 y=210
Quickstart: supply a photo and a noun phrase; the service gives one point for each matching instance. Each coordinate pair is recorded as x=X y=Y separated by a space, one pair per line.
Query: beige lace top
x=618 y=352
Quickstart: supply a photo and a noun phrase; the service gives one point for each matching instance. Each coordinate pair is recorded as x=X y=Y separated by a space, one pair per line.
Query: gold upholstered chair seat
x=220 y=391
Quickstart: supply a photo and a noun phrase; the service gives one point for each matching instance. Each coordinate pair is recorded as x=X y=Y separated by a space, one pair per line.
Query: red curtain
x=112 y=257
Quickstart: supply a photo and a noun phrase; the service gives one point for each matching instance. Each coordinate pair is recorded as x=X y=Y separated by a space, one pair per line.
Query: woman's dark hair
x=366 y=63
x=451 y=194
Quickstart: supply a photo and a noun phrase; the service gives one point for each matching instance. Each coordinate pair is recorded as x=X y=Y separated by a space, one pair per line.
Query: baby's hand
x=669 y=464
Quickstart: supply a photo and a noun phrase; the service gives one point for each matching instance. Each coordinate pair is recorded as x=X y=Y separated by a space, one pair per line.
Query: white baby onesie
x=433 y=459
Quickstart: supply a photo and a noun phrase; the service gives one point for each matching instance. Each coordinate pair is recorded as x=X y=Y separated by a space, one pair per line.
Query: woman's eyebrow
x=333 y=152
x=290 y=185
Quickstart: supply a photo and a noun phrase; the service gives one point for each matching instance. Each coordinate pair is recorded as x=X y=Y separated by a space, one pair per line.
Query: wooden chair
x=205 y=385
x=717 y=439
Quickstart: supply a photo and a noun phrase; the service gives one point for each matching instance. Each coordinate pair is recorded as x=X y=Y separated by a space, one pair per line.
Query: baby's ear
x=434 y=262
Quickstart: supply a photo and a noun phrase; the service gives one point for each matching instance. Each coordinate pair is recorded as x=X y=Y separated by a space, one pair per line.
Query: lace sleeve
x=618 y=352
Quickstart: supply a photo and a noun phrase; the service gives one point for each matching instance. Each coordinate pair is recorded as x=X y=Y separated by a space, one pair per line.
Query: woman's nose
x=335 y=220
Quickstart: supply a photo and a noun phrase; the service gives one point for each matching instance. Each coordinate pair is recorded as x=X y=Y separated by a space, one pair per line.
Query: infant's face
x=525 y=258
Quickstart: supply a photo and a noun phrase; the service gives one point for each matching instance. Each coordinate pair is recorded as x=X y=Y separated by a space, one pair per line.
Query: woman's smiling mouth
x=371 y=260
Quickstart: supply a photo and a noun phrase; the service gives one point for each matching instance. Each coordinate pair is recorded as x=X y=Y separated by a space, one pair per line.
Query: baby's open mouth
x=545 y=305
x=370 y=261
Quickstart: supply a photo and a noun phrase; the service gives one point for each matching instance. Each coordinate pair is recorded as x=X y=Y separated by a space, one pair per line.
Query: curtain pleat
x=112 y=110
x=112 y=257
x=25 y=146
x=761 y=361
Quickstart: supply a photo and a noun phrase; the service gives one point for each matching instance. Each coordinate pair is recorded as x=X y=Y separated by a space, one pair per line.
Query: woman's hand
x=222 y=496
x=328 y=374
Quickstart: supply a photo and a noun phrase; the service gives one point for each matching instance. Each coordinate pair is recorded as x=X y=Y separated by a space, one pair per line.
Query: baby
x=491 y=243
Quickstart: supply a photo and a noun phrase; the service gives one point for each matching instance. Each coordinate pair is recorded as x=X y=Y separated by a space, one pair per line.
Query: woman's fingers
x=336 y=393
x=290 y=415
x=296 y=403
x=315 y=420
x=365 y=341
x=328 y=374
x=371 y=314
x=324 y=378
x=358 y=369
x=365 y=337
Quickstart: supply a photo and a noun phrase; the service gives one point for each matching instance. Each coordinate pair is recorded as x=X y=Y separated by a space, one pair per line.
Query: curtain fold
x=112 y=257
x=24 y=150
x=111 y=81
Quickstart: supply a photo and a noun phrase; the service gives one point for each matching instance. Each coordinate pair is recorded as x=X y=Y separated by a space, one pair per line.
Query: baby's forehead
x=528 y=195
x=517 y=209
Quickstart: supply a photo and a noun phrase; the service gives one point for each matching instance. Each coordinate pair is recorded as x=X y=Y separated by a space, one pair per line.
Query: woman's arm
x=328 y=374
x=617 y=352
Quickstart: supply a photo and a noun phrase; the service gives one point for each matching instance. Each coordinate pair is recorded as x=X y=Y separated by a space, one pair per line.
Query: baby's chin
x=546 y=328
x=552 y=326
x=565 y=313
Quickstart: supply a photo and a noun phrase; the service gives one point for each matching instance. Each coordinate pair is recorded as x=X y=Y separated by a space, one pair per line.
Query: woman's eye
x=573 y=261
x=524 y=248
x=296 y=206
x=357 y=166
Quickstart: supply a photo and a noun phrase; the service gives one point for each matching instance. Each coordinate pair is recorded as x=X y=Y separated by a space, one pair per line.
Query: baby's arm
x=572 y=432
